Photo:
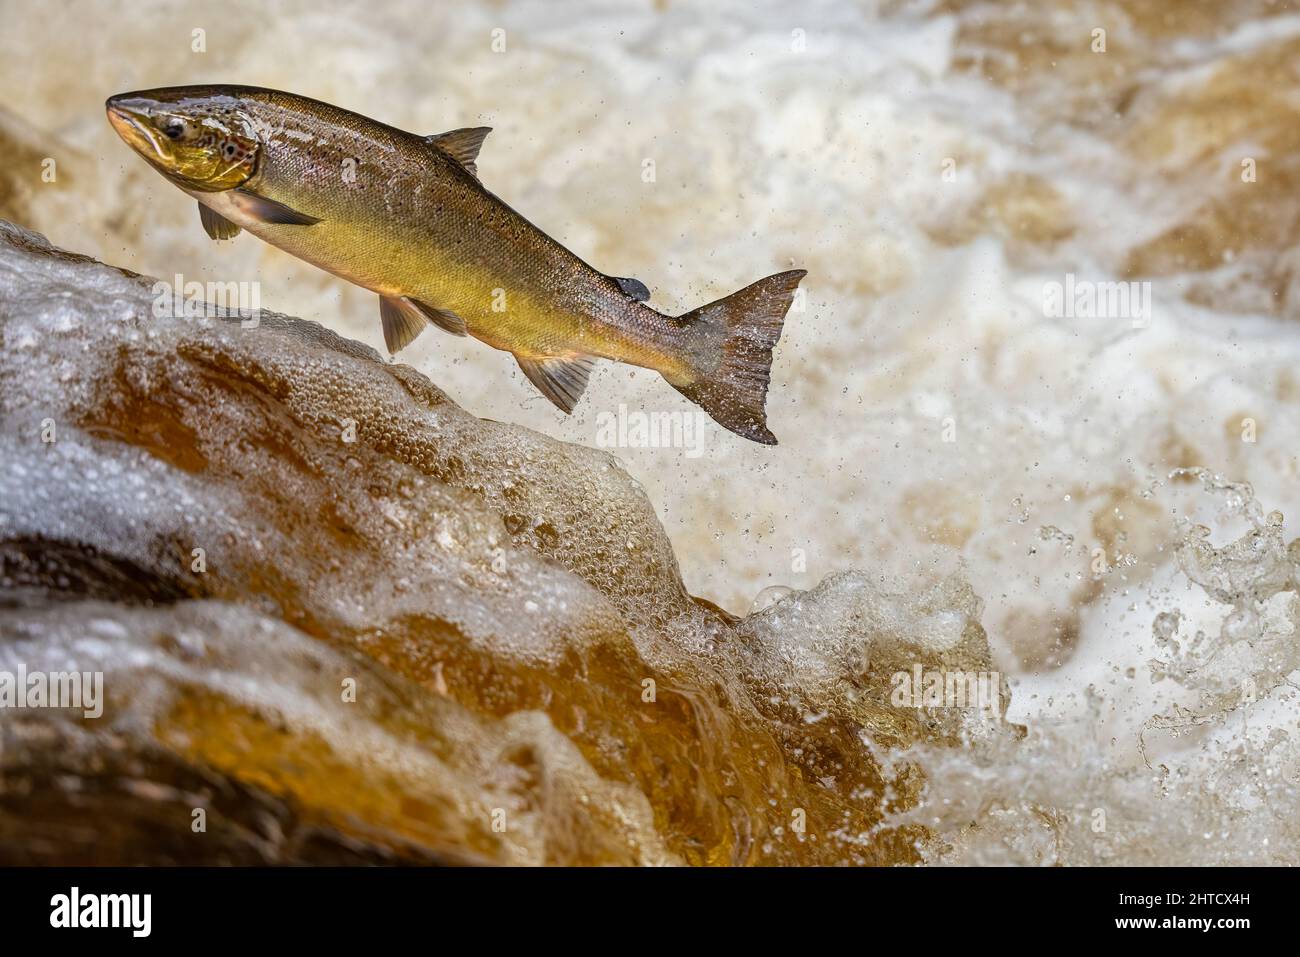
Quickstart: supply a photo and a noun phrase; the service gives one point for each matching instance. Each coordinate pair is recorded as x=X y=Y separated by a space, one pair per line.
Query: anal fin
x=561 y=379
x=216 y=225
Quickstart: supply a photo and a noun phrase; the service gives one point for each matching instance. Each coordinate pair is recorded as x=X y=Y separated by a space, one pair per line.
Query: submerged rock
x=341 y=619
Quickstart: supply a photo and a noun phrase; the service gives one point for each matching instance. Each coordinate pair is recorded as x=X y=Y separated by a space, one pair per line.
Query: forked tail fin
x=736 y=361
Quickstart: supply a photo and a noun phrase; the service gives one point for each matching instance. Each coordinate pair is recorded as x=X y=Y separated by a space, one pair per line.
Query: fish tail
x=735 y=360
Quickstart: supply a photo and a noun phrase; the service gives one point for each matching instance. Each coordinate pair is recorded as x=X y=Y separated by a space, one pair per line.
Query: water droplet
x=769 y=596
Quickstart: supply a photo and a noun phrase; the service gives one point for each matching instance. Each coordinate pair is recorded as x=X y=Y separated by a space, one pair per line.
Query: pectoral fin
x=461 y=145
x=268 y=210
x=560 y=378
x=216 y=225
x=404 y=318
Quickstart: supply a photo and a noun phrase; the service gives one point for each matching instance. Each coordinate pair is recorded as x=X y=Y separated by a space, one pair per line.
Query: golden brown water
x=506 y=606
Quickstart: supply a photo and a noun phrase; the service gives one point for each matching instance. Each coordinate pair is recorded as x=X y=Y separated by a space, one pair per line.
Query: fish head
x=201 y=138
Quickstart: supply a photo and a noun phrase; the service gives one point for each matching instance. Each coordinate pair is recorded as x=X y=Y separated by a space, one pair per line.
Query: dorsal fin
x=560 y=378
x=461 y=145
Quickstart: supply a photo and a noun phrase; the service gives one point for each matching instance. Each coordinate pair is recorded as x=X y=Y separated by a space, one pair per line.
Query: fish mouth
x=130 y=120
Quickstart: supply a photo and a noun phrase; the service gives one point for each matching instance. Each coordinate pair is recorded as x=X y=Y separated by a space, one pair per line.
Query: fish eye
x=173 y=128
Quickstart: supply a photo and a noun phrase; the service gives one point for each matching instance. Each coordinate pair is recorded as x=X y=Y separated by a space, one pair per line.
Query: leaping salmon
x=406 y=216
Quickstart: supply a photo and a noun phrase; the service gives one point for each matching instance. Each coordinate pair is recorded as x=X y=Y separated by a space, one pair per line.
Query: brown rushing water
x=506 y=607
